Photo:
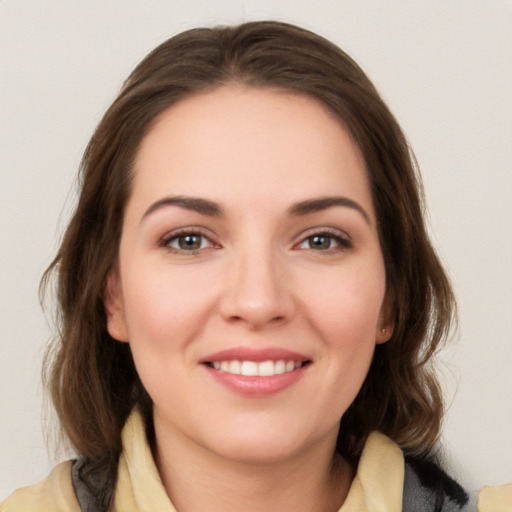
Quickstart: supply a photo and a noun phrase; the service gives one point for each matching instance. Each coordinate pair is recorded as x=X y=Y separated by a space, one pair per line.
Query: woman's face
x=250 y=282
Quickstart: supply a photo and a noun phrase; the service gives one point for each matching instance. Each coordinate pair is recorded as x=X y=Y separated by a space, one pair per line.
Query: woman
x=249 y=301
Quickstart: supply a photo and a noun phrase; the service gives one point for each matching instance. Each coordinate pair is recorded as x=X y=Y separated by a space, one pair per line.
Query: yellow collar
x=377 y=487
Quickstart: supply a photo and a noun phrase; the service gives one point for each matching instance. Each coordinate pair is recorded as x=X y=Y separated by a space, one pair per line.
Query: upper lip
x=255 y=354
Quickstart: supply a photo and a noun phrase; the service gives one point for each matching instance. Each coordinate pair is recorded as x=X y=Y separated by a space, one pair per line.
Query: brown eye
x=187 y=242
x=320 y=242
x=325 y=242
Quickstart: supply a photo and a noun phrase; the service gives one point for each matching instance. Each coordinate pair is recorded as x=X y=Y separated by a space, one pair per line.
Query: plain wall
x=445 y=69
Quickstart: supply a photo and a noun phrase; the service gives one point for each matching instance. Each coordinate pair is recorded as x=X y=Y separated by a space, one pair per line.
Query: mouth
x=267 y=368
x=257 y=372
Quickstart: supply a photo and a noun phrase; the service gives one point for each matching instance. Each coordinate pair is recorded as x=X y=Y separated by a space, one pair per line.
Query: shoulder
x=427 y=488
x=55 y=493
x=495 y=499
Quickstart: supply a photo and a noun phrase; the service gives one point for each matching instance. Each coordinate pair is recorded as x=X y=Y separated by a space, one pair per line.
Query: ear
x=383 y=334
x=114 y=307
x=386 y=324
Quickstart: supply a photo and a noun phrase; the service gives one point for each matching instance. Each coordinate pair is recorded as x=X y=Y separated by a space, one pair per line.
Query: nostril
x=255 y=306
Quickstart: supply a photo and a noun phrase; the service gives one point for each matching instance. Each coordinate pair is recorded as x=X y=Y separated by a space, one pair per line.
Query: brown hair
x=92 y=378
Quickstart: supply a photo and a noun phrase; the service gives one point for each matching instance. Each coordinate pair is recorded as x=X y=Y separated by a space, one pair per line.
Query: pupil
x=320 y=242
x=190 y=242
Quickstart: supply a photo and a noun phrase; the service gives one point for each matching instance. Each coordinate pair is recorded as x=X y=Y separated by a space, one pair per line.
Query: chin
x=260 y=445
x=257 y=451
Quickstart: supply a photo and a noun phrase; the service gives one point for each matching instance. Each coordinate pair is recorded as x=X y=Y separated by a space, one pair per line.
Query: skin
x=255 y=279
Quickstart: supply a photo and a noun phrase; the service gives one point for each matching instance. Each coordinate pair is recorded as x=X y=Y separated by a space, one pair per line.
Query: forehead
x=240 y=139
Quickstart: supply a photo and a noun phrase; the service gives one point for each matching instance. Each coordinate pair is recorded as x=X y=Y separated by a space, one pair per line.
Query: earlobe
x=386 y=325
x=384 y=334
x=114 y=309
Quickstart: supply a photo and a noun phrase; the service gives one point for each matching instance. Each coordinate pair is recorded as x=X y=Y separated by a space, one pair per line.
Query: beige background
x=445 y=69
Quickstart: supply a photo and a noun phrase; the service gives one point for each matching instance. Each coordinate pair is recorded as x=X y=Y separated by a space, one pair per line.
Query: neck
x=197 y=479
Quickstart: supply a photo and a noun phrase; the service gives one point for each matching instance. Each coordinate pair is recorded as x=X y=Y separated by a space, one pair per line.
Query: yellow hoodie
x=377 y=487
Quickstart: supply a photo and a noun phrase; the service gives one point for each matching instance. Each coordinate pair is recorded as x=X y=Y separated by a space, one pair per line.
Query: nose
x=257 y=291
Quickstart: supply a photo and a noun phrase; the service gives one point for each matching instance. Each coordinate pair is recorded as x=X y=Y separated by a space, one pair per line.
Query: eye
x=325 y=241
x=186 y=241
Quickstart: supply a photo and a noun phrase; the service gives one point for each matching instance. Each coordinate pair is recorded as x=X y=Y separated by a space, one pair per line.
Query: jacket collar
x=377 y=486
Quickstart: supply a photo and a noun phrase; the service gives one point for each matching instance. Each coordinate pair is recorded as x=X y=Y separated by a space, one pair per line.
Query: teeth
x=254 y=369
x=235 y=367
x=266 y=369
x=249 y=368
x=279 y=367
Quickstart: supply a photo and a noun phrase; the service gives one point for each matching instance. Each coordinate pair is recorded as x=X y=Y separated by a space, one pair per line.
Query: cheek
x=165 y=312
x=346 y=316
x=165 y=307
x=346 y=306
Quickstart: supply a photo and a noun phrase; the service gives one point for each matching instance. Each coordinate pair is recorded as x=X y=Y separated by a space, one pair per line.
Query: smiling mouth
x=256 y=369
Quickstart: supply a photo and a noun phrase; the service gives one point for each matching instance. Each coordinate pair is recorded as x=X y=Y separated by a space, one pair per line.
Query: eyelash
x=343 y=243
x=166 y=241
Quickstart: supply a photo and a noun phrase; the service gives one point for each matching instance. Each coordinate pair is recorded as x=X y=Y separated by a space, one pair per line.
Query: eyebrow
x=323 y=203
x=210 y=208
x=195 y=204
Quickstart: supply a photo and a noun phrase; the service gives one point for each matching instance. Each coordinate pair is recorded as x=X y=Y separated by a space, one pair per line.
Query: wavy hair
x=92 y=378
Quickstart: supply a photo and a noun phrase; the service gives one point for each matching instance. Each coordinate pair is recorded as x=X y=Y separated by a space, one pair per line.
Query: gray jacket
x=426 y=489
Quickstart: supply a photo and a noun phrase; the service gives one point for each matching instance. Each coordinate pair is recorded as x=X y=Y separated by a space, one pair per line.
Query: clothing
x=377 y=486
x=497 y=499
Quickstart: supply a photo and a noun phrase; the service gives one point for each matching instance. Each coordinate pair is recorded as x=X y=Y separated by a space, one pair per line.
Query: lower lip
x=257 y=386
